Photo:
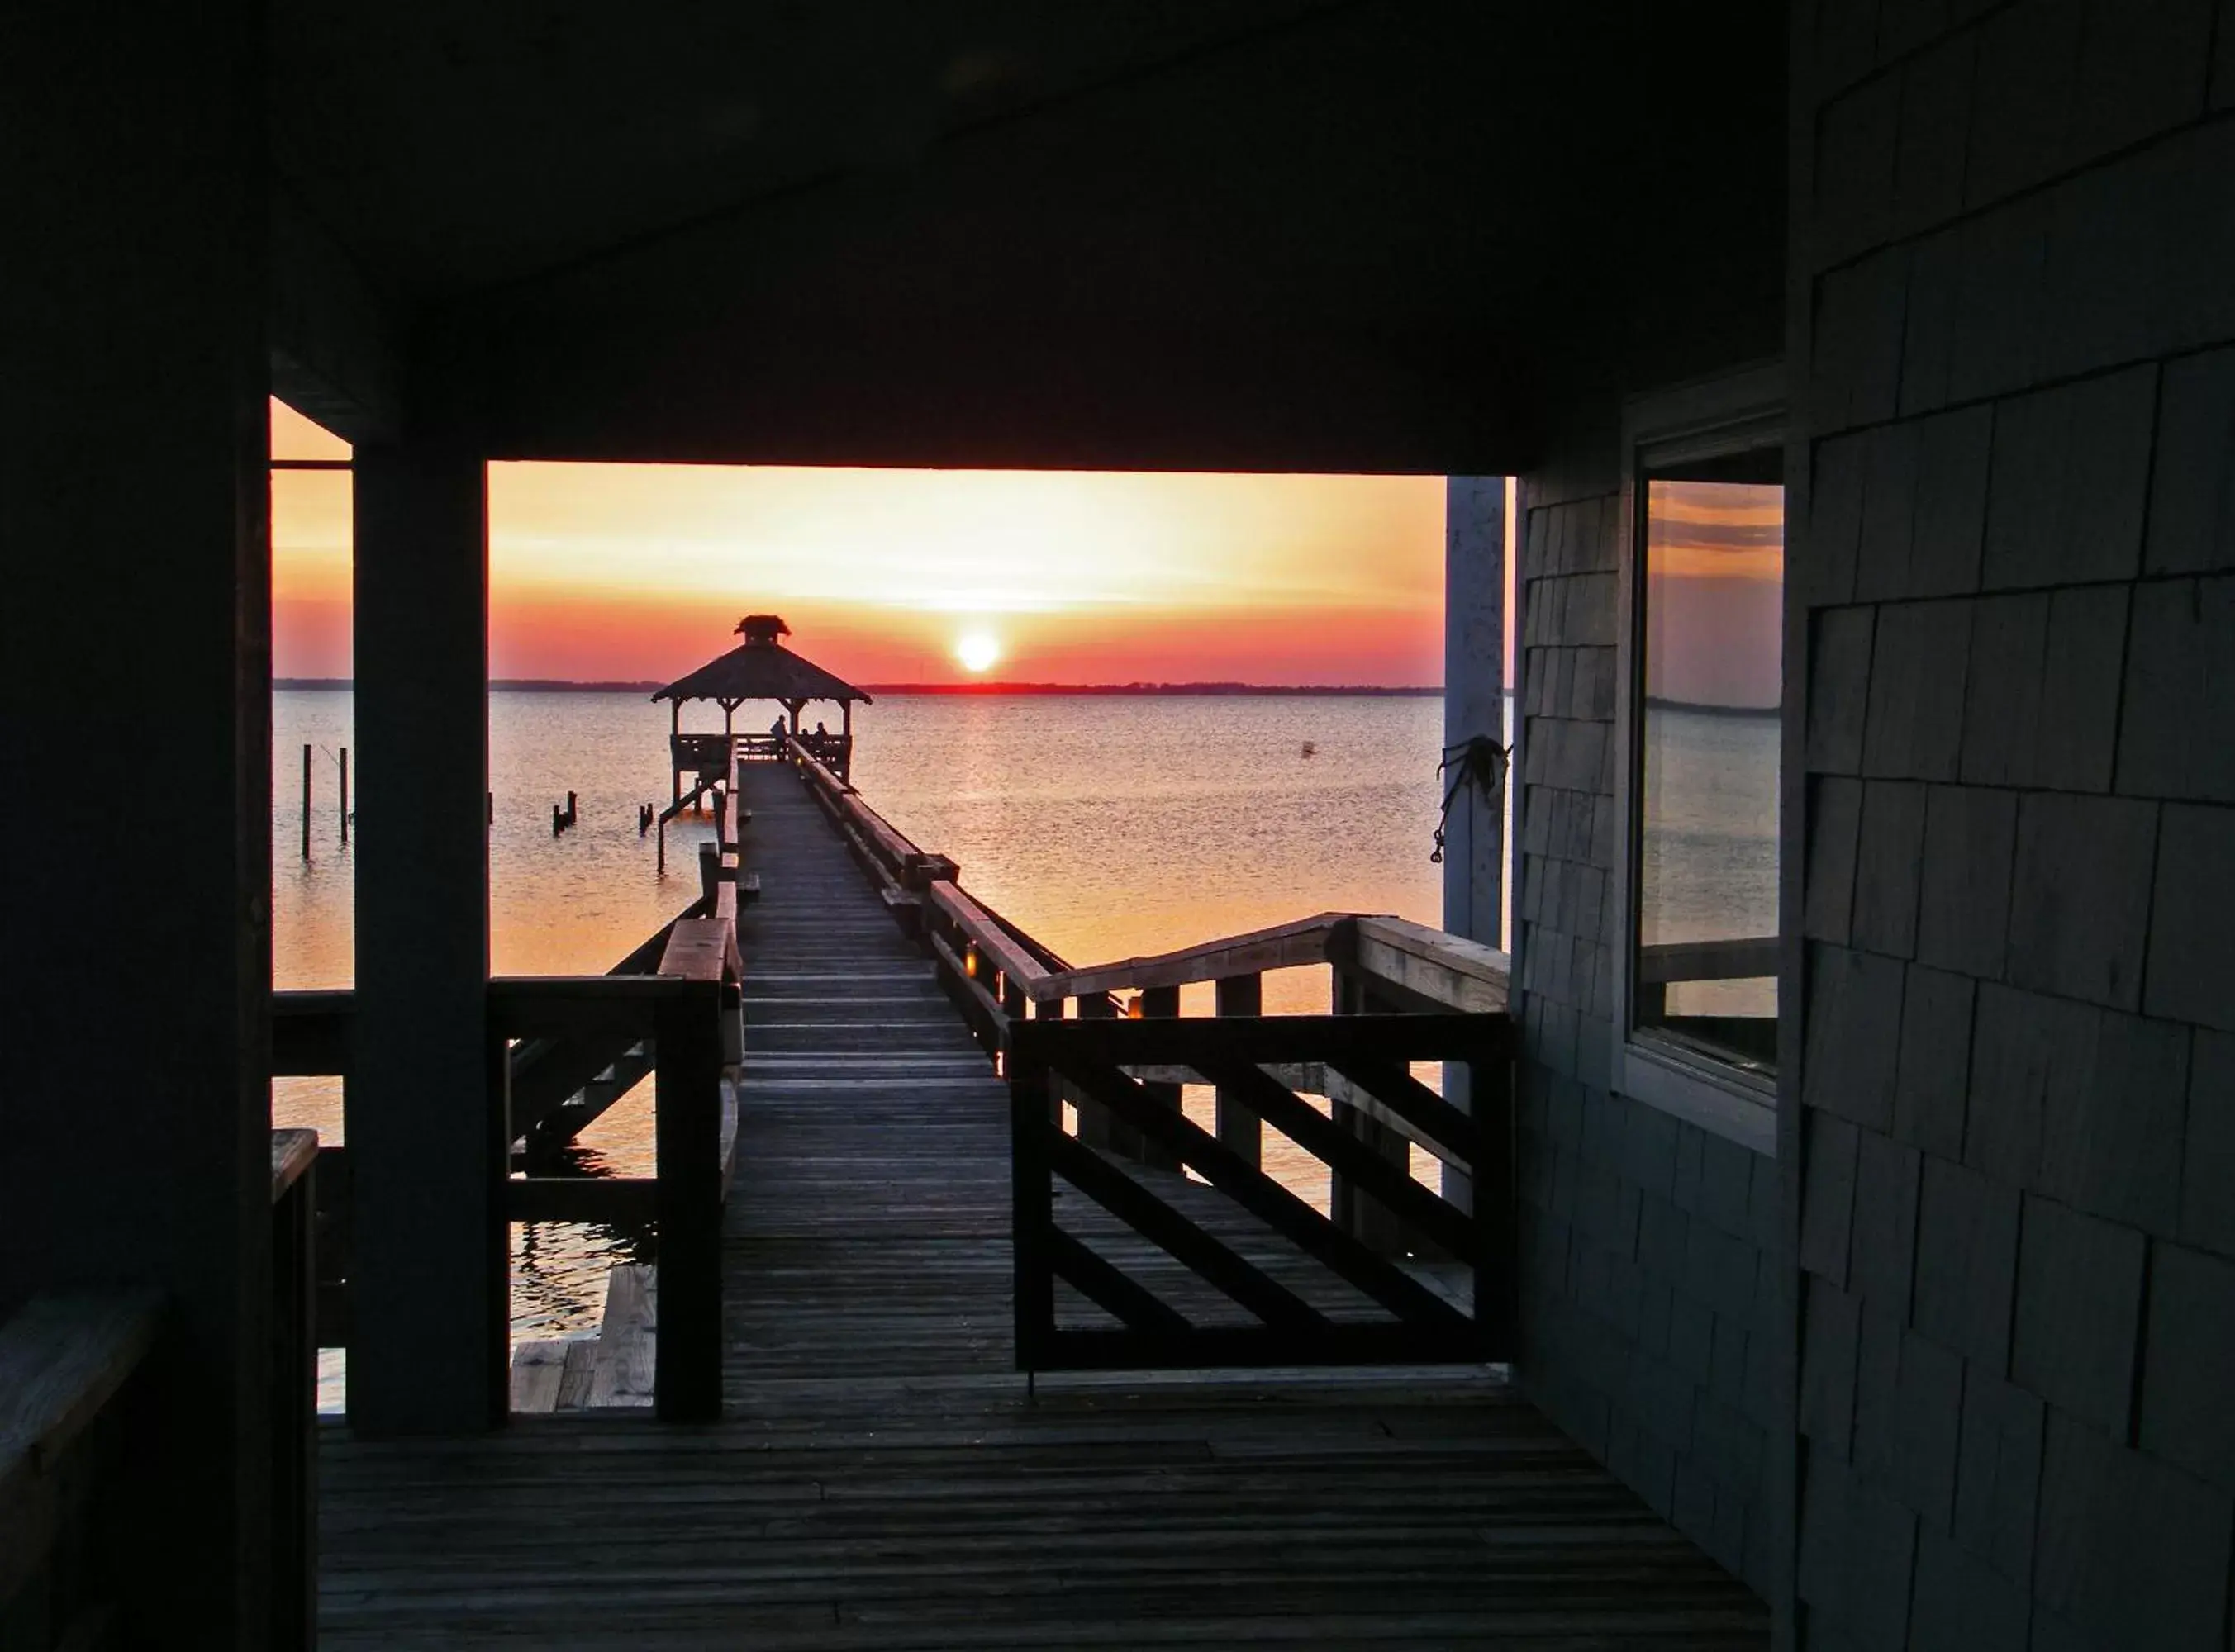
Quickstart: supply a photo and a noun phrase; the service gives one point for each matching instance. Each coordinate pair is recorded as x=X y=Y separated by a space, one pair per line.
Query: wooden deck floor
x=880 y=1480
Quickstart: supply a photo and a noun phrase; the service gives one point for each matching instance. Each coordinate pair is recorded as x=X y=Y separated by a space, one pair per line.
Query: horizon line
x=565 y=685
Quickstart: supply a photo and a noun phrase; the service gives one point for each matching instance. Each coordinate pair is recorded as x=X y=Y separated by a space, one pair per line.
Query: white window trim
x=1735 y=413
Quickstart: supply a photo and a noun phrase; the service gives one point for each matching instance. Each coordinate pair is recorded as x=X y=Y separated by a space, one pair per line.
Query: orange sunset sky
x=892 y=576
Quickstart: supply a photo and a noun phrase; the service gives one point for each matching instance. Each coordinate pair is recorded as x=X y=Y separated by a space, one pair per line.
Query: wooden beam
x=1160 y=1003
x=1191 y=1040
x=687 y=1126
x=1110 y=1288
x=1345 y=1156
x=993 y=943
x=698 y=949
x=294 y=1153
x=1237 y=1127
x=63 y=1359
x=313 y=1032
x=430 y=1301
x=1443 y=968
x=569 y=1006
x=1258 y=1193
x=620 y=1201
x=1209 y=1348
x=1283 y=946
x=1739 y=960
x=1210 y=1258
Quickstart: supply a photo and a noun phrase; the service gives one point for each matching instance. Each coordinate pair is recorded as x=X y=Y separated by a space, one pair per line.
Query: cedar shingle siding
x=2011 y=1135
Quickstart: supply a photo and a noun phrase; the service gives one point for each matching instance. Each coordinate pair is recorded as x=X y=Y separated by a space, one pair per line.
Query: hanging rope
x=1479 y=761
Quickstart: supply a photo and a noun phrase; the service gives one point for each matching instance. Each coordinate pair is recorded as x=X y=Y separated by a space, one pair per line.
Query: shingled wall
x=2015 y=304
x=1649 y=1284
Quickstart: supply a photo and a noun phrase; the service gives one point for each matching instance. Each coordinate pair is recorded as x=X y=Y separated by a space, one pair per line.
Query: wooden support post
x=1097 y=1128
x=687 y=1130
x=294 y=1395
x=430 y=1290
x=1476 y=526
x=1160 y=1003
x=1491 y=1200
x=1239 y=1129
x=306 y=802
x=1051 y=1009
x=1034 y=1115
x=674 y=733
x=345 y=797
x=1353 y=1209
x=133 y=416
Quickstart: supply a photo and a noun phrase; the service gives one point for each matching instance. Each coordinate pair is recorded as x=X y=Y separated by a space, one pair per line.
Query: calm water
x=1106 y=827
x=1709 y=865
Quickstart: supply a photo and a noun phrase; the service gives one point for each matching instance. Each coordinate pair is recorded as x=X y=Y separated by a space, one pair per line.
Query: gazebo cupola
x=762 y=668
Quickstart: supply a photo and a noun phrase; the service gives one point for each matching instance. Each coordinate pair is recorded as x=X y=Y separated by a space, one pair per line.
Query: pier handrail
x=69 y=1366
x=1426 y=968
x=678 y=993
x=902 y=865
x=66 y=1363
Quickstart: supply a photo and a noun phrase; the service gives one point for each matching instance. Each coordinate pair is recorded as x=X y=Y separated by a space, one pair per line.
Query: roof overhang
x=1234 y=234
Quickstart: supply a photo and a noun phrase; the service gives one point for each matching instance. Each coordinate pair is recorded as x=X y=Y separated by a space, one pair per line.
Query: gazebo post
x=674 y=733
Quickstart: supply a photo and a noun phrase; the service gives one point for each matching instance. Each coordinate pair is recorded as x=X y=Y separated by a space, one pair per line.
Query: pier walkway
x=880 y=1478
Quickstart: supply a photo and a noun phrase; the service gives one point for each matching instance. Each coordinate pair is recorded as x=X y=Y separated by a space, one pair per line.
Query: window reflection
x=1710 y=631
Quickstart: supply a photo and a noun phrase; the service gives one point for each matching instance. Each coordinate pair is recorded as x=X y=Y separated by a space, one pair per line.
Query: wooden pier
x=879 y=1475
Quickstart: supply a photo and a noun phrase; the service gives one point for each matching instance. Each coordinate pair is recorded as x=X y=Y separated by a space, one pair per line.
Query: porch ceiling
x=1248 y=233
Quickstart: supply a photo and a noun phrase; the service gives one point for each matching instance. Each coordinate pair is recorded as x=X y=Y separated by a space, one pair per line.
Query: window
x=1703 y=575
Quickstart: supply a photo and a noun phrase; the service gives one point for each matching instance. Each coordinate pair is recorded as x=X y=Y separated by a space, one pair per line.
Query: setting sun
x=977 y=650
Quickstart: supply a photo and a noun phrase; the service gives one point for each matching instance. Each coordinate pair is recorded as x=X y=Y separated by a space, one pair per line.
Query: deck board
x=880 y=1479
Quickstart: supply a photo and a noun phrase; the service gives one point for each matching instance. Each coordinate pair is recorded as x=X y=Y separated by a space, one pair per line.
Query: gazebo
x=761 y=668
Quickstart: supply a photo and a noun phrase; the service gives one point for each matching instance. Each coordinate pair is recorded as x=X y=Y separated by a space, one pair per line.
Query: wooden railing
x=681 y=1015
x=1407 y=992
x=294 y=1347
x=1292 y=1286
x=677 y=996
x=1420 y=967
x=80 y=1500
x=706 y=755
x=68 y=1480
x=710 y=754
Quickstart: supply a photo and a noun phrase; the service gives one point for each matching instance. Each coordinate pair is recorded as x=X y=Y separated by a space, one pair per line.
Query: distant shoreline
x=551 y=685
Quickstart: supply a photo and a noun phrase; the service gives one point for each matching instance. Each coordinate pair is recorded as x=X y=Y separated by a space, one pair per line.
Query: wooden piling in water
x=306 y=802
x=345 y=797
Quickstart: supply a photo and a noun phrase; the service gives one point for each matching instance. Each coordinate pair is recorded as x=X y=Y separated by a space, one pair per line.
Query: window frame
x=1742 y=412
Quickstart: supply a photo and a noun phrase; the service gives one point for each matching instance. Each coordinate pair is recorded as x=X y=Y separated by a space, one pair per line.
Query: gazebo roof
x=761 y=668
